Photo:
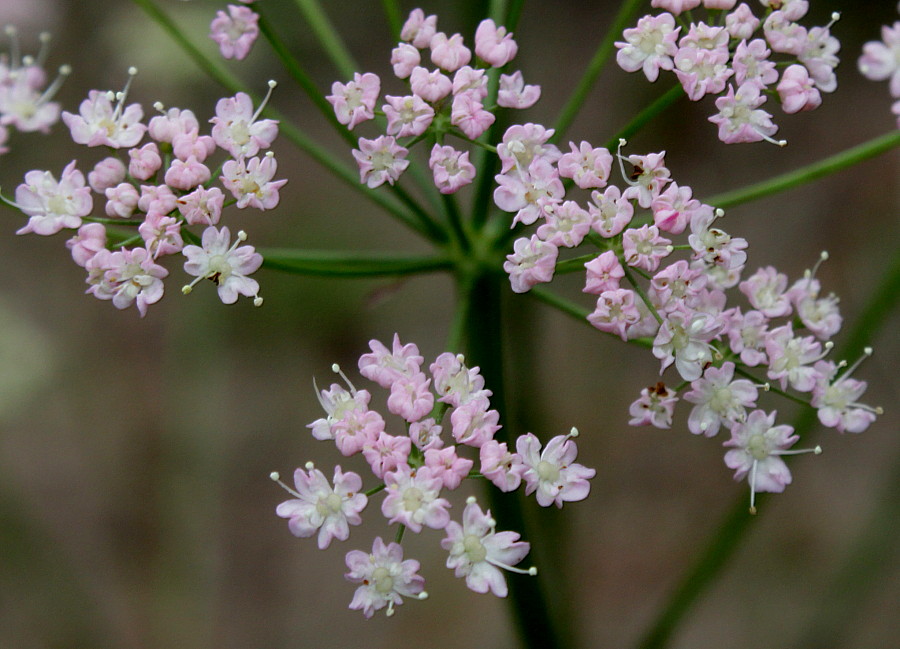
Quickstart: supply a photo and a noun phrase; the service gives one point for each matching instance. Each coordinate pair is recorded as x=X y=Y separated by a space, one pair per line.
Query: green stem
x=343 y=264
x=607 y=46
x=647 y=114
x=394 y=17
x=528 y=600
x=292 y=65
x=811 y=172
x=735 y=524
x=328 y=38
x=513 y=12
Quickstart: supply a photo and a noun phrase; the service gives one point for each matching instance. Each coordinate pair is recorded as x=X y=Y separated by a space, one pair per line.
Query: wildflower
x=407 y=116
x=126 y=276
x=234 y=32
x=227 y=266
x=684 y=338
x=532 y=262
x=53 y=205
x=451 y=168
x=655 y=407
x=719 y=399
x=250 y=182
x=99 y=123
x=449 y=54
x=513 y=93
x=650 y=46
x=237 y=129
x=756 y=449
x=836 y=398
x=493 y=44
x=740 y=119
x=380 y=161
x=418 y=29
x=552 y=473
x=317 y=507
x=413 y=498
x=354 y=102
x=385 y=578
x=478 y=552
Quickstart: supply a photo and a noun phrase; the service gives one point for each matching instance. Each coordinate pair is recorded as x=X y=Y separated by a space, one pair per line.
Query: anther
x=262 y=105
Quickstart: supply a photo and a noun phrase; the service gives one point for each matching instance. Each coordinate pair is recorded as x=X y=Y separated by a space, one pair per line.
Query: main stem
x=484 y=348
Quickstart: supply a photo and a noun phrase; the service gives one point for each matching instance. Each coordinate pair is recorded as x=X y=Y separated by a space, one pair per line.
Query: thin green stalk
x=345 y=264
x=531 y=608
x=607 y=46
x=292 y=65
x=394 y=17
x=806 y=174
x=456 y=222
x=735 y=523
x=328 y=38
x=647 y=114
x=512 y=14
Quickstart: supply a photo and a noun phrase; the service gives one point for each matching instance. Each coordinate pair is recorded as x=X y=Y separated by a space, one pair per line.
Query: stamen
x=53 y=88
x=337 y=370
x=272 y=84
x=9 y=202
x=45 y=39
x=817 y=451
x=835 y=16
x=532 y=571
x=121 y=96
x=866 y=353
x=573 y=433
x=15 y=55
x=621 y=159
x=159 y=107
x=810 y=274
x=277 y=478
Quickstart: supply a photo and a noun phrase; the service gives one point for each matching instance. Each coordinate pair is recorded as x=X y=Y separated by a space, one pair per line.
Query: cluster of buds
x=447 y=100
x=643 y=291
x=413 y=469
x=726 y=56
x=880 y=61
x=160 y=187
x=25 y=97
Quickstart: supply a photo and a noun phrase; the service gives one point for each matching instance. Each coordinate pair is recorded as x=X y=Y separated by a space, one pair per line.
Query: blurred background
x=135 y=506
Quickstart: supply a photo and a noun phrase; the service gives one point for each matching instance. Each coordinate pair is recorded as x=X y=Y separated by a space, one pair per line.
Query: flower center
x=548 y=472
x=382 y=580
x=474 y=549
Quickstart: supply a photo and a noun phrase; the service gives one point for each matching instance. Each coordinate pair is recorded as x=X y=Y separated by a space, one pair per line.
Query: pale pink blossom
x=644 y=247
x=603 y=273
x=387 y=366
x=533 y=262
x=493 y=44
x=386 y=452
x=99 y=123
x=52 y=205
x=616 y=310
x=250 y=182
x=588 y=166
x=407 y=116
x=413 y=499
x=553 y=472
x=354 y=102
x=566 y=226
x=448 y=466
x=513 y=92
x=649 y=46
x=451 y=168
x=380 y=161
x=500 y=466
x=161 y=234
x=404 y=58
x=321 y=508
x=740 y=119
x=418 y=29
x=144 y=162
x=751 y=63
x=473 y=423
x=478 y=552
x=430 y=85
x=836 y=399
x=470 y=116
x=449 y=53
x=454 y=382
x=121 y=200
x=684 y=338
x=610 y=211
x=410 y=397
x=741 y=23
x=89 y=240
x=107 y=173
x=655 y=407
x=202 y=206
x=880 y=60
x=719 y=400
x=237 y=129
x=226 y=265
x=791 y=358
x=127 y=276
x=766 y=291
x=157 y=198
x=384 y=578
x=470 y=81
x=234 y=32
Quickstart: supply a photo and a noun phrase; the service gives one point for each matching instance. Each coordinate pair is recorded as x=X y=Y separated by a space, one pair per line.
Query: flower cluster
x=449 y=99
x=25 y=97
x=161 y=186
x=880 y=61
x=442 y=415
x=727 y=56
x=643 y=291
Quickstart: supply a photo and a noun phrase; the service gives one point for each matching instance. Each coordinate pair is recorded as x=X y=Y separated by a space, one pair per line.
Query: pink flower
x=615 y=312
x=493 y=44
x=90 y=239
x=410 y=397
x=418 y=29
x=380 y=160
x=719 y=399
x=553 y=473
x=107 y=173
x=471 y=82
x=187 y=174
x=144 y=162
x=766 y=291
x=251 y=182
x=741 y=23
x=385 y=367
x=684 y=338
x=837 y=399
x=407 y=116
x=513 y=92
x=430 y=86
x=532 y=262
x=478 y=552
x=603 y=273
x=655 y=407
x=644 y=247
x=121 y=200
x=649 y=46
x=448 y=466
x=161 y=234
x=451 y=168
x=790 y=358
x=449 y=53
x=384 y=578
x=320 y=508
x=880 y=60
x=740 y=119
x=566 y=226
x=610 y=211
x=53 y=205
x=227 y=266
x=456 y=383
x=354 y=102
x=234 y=32
x=589 y=167
x=502 y=468
x=127 y=276
x=473 y=423
x=797 y=91
x=404 y=58
x=470 y=116
x=413 y=499
x=236 y=128
x=98 y=123
x=386 y=452
x=751 y=63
